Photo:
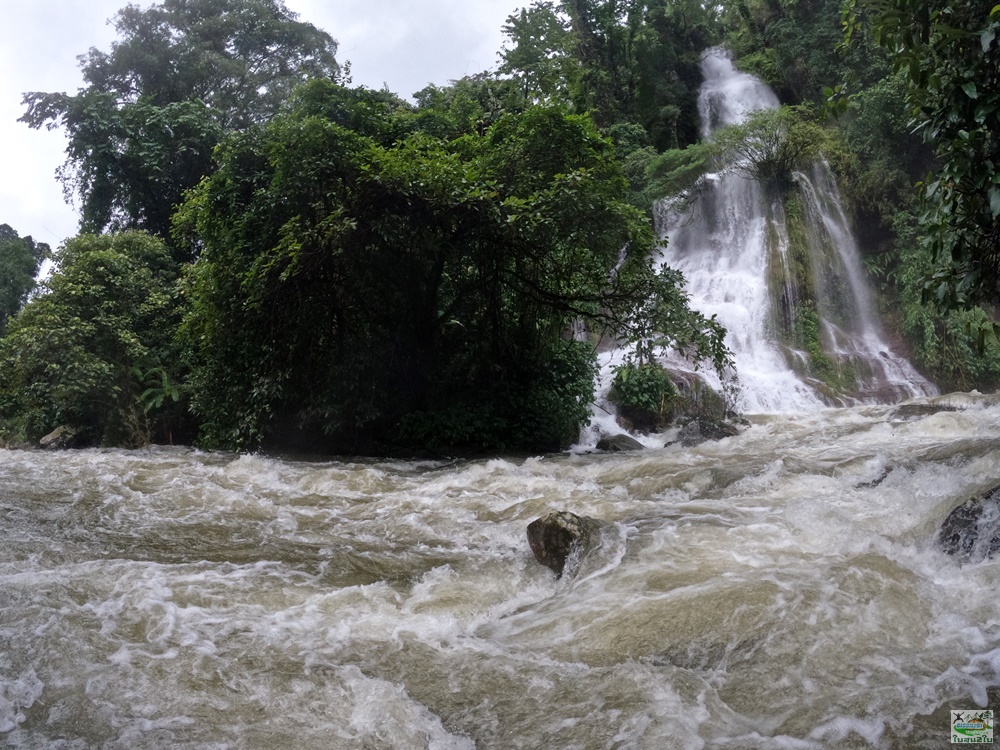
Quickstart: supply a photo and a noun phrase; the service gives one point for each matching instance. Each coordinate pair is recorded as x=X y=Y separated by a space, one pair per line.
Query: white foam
x=779 y=590
x=16 y=696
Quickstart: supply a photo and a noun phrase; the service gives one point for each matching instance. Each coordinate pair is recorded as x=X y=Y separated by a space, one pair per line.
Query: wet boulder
x=910 y=412
x=61 y=437
x=701 y=430
x=618 y=444
x=971 y=531
x=557 y=536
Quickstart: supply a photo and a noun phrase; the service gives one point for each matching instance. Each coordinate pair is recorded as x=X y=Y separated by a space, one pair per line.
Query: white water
x=860 y=337
x=779 y=589
x=722 y=245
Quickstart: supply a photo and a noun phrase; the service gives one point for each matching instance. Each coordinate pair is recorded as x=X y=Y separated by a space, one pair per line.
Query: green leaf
x=987 y=37
x=970 y=90
x=994 y=193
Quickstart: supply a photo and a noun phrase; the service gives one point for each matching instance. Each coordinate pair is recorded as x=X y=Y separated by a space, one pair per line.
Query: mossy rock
x=644 y=395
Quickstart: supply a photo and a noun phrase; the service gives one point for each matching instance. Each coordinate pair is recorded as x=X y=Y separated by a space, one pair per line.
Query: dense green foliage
x=86 y=350
x=182 y=73
x=948 y=343
x=540 y=58
x=951 y=58
x=644 y=394
x=795 y=47
x=338 y=270
x=20 y=259
x=619 y=60
x=771 y=144
x=363 y=280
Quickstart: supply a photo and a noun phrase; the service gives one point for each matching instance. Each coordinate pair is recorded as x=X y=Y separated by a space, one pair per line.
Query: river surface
x=778 y=589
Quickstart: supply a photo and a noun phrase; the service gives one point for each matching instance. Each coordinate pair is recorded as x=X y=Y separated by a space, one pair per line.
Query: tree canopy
x=771 y=144
x=415 y=288
x=81 y=352
x=181 y=74
x=20 y=260
x=619 y=60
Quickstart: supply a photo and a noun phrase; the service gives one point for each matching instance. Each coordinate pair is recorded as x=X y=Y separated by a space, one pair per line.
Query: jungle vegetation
x=271 y=257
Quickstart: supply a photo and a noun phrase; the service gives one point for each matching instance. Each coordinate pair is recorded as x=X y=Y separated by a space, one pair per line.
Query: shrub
x=75 y=354
x=644 y=394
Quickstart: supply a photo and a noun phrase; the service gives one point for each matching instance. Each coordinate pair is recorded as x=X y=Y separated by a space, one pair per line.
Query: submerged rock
x=553 y=538
x=699 y=430
x=908 y=412
x=619 y=443
x=971 y=531
x=883 y=475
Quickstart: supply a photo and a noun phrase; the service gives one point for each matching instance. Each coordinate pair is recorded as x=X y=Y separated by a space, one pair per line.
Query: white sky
x=404 y=44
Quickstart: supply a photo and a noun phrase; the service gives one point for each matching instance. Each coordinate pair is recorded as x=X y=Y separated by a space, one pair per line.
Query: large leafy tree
x=20 y=259
x=619 y=60
x=950 y=54
x=539 y=53
x=379 y=283
x=771 y=144
x=181 y=74
x=94 y=350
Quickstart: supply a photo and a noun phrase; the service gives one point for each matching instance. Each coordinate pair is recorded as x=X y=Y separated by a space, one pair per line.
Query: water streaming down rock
x=733 y=244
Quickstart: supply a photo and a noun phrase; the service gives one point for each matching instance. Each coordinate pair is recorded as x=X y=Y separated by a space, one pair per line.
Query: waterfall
x=733 y=242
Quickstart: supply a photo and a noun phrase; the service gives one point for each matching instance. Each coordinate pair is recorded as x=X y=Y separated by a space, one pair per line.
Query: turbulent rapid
x=778 y=589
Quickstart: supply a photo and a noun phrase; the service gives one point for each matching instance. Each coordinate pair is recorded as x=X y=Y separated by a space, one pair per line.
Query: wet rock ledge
x=557 y=536
x=971 y=532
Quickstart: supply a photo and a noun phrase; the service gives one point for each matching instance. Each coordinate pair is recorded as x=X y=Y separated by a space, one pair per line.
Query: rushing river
x=779 y=589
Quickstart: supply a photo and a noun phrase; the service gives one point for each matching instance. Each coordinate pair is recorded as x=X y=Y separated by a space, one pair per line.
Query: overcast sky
x=404 y=44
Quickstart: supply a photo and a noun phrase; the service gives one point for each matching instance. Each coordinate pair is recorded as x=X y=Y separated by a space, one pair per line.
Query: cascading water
x=851 y=326
x=733 y=245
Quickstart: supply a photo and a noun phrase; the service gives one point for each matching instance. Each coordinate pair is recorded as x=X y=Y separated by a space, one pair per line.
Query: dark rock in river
x=553 y=538
x=972 y=531
x=883 y=475
x=60 y=437
x=699 y=430
x=619 y=443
